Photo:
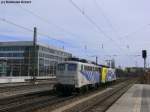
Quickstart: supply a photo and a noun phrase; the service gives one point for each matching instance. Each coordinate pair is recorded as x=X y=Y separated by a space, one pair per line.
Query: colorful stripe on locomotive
x=104 y=71
x=91 y=76
x=108 y=75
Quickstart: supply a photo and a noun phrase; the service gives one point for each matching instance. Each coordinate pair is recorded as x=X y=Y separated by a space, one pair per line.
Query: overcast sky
x=121 y=28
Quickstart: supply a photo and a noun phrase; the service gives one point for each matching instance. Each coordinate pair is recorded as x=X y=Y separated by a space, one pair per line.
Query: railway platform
x=136 y=99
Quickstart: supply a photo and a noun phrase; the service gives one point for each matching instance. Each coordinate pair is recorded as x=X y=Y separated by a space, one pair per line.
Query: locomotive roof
x=77 y=62
x=80 y=60
x=104 y=66
x=75 y=59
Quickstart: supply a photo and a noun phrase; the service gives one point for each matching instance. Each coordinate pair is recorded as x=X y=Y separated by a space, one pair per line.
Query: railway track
x=32 y=102
x=77 y=97
x=27 y=103
x=102 y=102
x=23 y=87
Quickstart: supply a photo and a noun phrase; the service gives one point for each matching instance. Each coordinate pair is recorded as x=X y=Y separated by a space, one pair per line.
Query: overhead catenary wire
x=14 y=24
x=125 y=46
x=28 y=29
x=45 y=20
x=136 y=31
x=64 y=30
x=93 y=22
x=112 y=27
x=107 y=19
x=105 y=16
x=48 y=21
x=39 y=33
x=88 y=18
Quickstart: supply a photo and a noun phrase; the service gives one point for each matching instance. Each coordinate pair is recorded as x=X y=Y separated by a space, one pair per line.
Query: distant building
x=134 y=69
x=110 y=63
x=20 y=58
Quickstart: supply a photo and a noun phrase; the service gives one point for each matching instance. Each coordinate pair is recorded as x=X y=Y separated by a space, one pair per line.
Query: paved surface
x=8 y=94
x=21 y=79
x=25 y=83
x=61 y=109
x=12 y=90
x=136 y=99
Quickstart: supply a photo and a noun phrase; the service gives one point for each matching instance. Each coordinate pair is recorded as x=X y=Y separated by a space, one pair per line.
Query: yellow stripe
x=104 y=73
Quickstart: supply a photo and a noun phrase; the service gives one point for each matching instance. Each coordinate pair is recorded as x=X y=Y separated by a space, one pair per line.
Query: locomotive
x=80 y=75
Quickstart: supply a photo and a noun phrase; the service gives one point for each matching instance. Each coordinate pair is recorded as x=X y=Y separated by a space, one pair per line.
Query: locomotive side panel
x=111 y=75
x=78 y=74
x=89 y=76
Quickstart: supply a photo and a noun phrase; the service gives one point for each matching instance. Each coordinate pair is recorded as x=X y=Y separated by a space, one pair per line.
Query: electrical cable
x=29 y=30
x=93 y=22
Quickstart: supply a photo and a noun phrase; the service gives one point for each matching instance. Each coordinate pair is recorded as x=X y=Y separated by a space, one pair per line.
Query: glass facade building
x=3 y=67
x=22 y=58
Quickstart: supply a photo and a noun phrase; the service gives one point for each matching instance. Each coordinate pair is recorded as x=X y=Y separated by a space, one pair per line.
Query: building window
x=61 y=67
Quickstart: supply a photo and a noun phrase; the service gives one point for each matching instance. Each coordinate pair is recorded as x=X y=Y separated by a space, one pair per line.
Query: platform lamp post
x=96 y=60
x=144 y=56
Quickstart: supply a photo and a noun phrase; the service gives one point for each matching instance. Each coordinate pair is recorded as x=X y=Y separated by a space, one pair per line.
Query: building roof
x=28 y=43
x=16 y=43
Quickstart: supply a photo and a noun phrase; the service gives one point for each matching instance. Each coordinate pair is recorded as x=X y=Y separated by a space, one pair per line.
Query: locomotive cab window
x=72 y=67
x=61 y=67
